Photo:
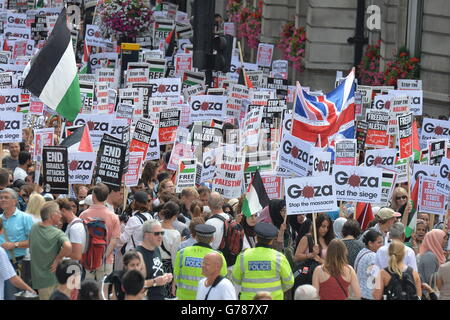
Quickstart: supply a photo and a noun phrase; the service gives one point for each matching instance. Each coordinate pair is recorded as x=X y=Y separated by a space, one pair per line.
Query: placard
x=319 y=162
x=437 y=150
x=377 y=129
x=42 y=137
x=229 y=179
x=208 y=166
x=443 y=179
x=134 y=169
x=169 y=121
x=186 y=173
x=309 y=195
x=280 y=69
x=9 y=99
x=165 y=87
x=81 y=167
x=294 y=155
x=11 y=127
x=382 y=158
x=434 y=129
x=207 y=107
x=409 y=84
x=153 y=152
x=430 y=201
x=361 y=133
x=141 y=136
x=56 y=171
x=111 y=163
x=252 y=126
x=264 y=54
x=179 y=151
x=345 y=152
x=360 y=184
x=415 y=102
x=421 y=170
x=387 y=186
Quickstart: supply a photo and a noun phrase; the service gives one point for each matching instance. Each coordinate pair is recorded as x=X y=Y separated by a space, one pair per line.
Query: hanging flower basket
x=292 y=45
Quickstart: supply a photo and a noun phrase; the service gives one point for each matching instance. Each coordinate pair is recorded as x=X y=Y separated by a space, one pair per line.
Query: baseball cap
x=387 y=213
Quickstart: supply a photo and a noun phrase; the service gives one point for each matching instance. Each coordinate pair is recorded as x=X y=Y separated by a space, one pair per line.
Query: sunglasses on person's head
x=158 y=233
x=401 y=197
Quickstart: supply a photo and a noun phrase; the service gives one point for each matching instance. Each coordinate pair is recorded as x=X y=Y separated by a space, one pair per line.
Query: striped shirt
x=6 y=271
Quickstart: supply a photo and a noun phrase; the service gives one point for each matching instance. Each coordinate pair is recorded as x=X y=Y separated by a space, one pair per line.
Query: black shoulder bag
x=215 y=283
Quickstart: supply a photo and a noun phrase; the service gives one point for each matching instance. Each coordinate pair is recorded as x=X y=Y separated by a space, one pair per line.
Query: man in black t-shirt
x=156 y=278
x=68 y=274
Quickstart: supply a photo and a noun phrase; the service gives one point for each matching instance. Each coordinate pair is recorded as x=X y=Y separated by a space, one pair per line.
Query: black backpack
x=401 y=289
x=142 y=218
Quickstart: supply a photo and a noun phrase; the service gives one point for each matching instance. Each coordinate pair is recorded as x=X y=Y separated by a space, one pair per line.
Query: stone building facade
x=423 y=26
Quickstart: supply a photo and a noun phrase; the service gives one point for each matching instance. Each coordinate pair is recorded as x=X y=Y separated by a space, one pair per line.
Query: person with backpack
x=397 y=281
x=132 y=235
x=75 y=231
x=187 y=269
x=104 y=230
x=334 y=278
x=229 y=235
x=263 y=268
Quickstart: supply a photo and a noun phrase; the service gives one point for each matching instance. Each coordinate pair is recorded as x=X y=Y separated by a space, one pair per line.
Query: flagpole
x=405 y=217
x=242 y=62
x=314 y=228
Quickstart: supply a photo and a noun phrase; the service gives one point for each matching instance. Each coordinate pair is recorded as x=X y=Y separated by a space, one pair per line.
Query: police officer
x=263 y=268
x=187 y=268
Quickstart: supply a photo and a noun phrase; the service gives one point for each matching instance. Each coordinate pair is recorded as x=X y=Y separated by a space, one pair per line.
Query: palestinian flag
x=53 y=72
x=78 y=141
x=187 y=166
x=170 y=43
x=191 y=78
x=244 y=79
x=412 y=218
x=157 y=65
x=158 y=6
x=256 y=198
x=364 y=214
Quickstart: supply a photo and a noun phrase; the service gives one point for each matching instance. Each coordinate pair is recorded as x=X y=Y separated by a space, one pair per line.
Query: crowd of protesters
x=153 y=231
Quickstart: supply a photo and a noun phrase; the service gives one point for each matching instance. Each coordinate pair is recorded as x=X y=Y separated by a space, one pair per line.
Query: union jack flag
x=321 y=119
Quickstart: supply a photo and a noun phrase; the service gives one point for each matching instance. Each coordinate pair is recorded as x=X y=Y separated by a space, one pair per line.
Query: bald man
x=214 y=286
x=215 y=203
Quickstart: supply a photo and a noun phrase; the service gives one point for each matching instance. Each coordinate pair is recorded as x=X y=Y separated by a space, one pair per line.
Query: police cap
x=205 y=230
x=266 y=230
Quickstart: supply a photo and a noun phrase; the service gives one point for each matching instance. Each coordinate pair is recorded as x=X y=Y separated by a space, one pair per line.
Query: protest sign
x=409 y=84
x=141 y=136
x=169 y=121
x=437 y=150
x=399 y=106
x=136 y=76
x=377 y=122
x=186 y=173
x=319 y=163
x=153 y=151
x=387 y=186
x=443 y=178
x=207 y=107
x=124 y=111
x=435 y=129
x=383 y=158
x=9 y=99
x=382 y=102
x=252 y=126
x=264 y=54
x=361 y=133
x=405 y=135
x=11 y=127
x=183 y=63
x=180 y=151
x=208 y=166
x=229 y=28
x=309 y=195
x=345 y=152
x=415 y=99
x=134 y=169
x=229 y=179
x=165 y=87
x=87 y=95
x=111 y=162
x=94 y=37
x=420 y=170
x=294 y=155
x=280 y=69
x=56 y=175
x=42 y=137
x=98 y=126
x=360 y=184
x=81 y=167
x=430 y=201
x=6 y=80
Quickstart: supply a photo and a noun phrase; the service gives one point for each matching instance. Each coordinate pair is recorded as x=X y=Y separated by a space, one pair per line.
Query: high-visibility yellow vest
x=187 y=270
x=262 y=269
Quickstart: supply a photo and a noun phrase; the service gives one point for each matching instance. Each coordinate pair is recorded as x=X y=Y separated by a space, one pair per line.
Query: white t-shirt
x=19 y=173
x=76 y=233
x=382 y=257
x=6 y=270
x=171 y=241
x=223 y=291
x=218 y=224
x=133 y=228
